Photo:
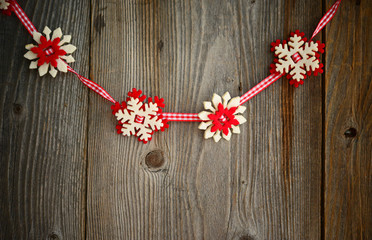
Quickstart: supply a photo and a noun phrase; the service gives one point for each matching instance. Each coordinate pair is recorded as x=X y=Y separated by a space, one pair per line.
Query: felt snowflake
x=50 y=52
x=5 y=7
x=221 y=117
x=138 y=118
x=297 y=57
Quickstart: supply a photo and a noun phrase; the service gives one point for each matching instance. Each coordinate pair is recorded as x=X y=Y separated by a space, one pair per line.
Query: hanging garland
x=296 y=58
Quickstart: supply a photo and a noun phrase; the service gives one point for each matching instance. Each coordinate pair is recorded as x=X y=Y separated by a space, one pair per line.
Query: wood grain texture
x=300 y=169
x=264 y=184
x=348 y=128
x=43 y=130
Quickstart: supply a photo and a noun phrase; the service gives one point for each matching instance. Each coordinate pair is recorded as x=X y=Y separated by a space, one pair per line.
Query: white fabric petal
x=217 y=136
x=204 y=125
x=228 y=136
x=226 y=97
x=240 y=119
x=61 y=65
x=53 y=71
x=233 y=102
x=43 y=69
x=47 y=32
x=57 y=33
x=240 y=109
x=235 y=129
x=68 y=58
x=36 y=36
x=216 y=99
x=29 y=46
x=208 y=133
x=208 y=106
x=30 y=55
x=204 y=115
x=33 y=65
x=69 y=48
x=65 y=39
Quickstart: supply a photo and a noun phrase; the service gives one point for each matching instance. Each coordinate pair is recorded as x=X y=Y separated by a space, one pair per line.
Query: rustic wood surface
x=348 y=124
x=300 y=169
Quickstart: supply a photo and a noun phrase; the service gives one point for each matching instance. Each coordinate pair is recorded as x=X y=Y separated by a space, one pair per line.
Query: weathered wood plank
x=264 y=184
x=279 y=181
x=43 y=130
x=348 y=128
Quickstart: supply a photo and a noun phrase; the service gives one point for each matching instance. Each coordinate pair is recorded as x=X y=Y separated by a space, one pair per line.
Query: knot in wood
x=160 y=45
x=246 y=237
x=53 y=236
x=350 y=133
x=17 y=108
x=154 y=159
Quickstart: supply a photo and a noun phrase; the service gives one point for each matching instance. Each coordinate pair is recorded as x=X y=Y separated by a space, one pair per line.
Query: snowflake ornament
x=138 y=118
x=221 y=117
x=50 y=52
x=296 y=57
x=5 y=7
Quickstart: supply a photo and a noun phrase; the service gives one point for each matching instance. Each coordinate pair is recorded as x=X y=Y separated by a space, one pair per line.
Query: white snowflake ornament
x=297 y=57
x=222 y=117
x=50 y=53
x=138 y=118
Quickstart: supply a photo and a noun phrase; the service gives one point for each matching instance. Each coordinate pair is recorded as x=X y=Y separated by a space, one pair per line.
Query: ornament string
x=326 y=18
x=22 y=17
x=92 y=85
x=184 y=117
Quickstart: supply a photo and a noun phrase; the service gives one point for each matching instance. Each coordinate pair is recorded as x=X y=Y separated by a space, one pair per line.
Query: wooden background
x=300 y=169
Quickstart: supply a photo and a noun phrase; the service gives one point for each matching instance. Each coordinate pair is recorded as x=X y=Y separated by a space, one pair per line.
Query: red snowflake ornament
x=297 y=57
x=138 y=118
x=48 y=51
x=222 y=117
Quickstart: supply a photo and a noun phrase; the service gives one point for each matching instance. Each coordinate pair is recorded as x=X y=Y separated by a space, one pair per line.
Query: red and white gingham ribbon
x=183 y=117
x=22 y=17
x=326 y=18
x=92 y=85
x=260 y=87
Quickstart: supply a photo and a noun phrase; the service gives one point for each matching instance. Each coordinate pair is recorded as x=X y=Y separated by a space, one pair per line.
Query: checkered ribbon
x=92 y=85
x=260 y=87
x=326 y=18
x=182 y=117
x=22 y=17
